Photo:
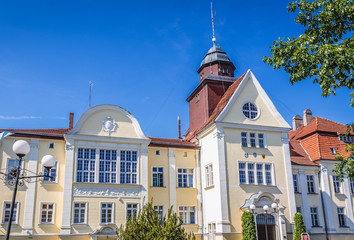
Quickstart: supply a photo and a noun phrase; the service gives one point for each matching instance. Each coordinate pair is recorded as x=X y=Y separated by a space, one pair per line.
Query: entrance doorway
x=262 y=232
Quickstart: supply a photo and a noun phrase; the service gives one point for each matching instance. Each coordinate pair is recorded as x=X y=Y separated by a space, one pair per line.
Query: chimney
x=71 y=120
x=297 y=122
x=307 y=117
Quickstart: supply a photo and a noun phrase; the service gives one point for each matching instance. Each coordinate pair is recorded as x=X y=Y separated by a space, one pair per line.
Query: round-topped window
x=250 y=110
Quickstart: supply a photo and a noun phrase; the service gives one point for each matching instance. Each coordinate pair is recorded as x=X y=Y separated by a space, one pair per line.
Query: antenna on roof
x=212 y=22
x=91 y=84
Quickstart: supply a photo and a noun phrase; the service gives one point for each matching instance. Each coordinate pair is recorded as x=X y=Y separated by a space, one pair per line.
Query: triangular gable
x=271 y=116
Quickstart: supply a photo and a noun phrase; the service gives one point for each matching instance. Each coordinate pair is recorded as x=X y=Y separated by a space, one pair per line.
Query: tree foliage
x=325 y=52
x=299 y=227
x=147 y=225
x=248 y=226
x=346 y=164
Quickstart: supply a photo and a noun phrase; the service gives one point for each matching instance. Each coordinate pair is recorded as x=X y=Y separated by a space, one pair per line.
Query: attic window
x=51 y=145
x=185 y=154
x=157 y=152
x=346 y=139
x=250 y=110
x=333 y=151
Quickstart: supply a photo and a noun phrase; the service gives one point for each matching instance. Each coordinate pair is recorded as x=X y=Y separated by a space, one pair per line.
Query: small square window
x=157 y=152
x=51 y=145
x=185 y=154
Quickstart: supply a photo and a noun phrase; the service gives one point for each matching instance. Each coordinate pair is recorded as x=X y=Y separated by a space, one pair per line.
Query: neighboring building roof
x=57 y=133
x=315 y=140
x=171 y=142
x=218 y=109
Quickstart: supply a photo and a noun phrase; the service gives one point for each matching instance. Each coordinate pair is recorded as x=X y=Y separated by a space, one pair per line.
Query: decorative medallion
x=263 y=156
x=109 y=125
x=254 y=154
x=246 y=155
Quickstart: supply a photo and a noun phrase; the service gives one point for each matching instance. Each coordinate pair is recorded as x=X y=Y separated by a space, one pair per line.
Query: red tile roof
x=58 y=132
x=172 y=142
x=218 y=109
x=315 y=140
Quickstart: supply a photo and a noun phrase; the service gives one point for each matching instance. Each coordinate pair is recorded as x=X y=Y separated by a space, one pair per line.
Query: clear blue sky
x=140 y=55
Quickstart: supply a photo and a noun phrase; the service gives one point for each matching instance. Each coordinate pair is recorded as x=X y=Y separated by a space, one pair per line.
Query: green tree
x=325 y=52
x=299 y=226
x=147 y=225
x=248 y=226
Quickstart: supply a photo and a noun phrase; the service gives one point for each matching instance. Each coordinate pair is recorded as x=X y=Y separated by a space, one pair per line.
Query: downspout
x=322 y=205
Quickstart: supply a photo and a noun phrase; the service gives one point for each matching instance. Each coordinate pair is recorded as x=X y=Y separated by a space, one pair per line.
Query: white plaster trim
x=31 y=189
x=73 y=212
x=298 y=167
x=262 y=93
x=305 y=206
x=251 y=127
x=40 y=213
x=113 y=215
x=199 y=194
x=108 y=107
x=144 y=173
x=104 y=191
x=348 y=203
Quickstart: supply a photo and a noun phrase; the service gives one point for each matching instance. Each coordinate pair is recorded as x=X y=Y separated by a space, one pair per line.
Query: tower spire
x=212 y=22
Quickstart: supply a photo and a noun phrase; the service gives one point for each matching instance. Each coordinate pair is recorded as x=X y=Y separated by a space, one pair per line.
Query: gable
x=108 y=121
x=251 y=91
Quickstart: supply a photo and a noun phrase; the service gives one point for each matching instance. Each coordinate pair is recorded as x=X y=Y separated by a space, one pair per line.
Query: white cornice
x=107 y=139
x=252 y=127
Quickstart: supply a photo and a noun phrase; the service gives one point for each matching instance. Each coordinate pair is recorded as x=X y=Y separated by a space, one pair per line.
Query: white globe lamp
x=265 y=208
x=21 y=148
x=48 y=161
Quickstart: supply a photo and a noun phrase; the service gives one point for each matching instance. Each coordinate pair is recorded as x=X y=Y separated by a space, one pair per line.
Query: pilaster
x=68 y=186
x=172 y=177
x=223 y=225
x=144 y=171
x=325 y=187
x=289 y=177
x=199 y=189
x=31 y=189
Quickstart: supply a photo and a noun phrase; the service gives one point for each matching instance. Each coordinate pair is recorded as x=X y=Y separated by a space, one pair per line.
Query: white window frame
x=337 y=185
x=159 y=212
x=333 y=150
x=316 y=213
x=264 y=182
x=40 y=213
x=314 y=183
x=112 y=217
x=244 y=137
x=209 y=175
x=95 y=171
x=188 y=214
x=264 y=139
x=7 y=167
x=351 y=182
x=3 y=212
x=56 y=167
x=73 y=214
x=193 y=181
x=297 y=183
x=158 y=173
x=344 y=217
x=131 y=167
x=258 y=110
x=254 y=138
x=110 y=172
x=126 y=209
x=211 y=231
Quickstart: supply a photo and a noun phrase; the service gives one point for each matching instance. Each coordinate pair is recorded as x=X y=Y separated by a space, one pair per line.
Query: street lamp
x=21 y=148
x=266 y=209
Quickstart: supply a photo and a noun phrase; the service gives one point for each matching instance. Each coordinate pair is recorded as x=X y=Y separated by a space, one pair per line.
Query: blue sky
x=142 y=56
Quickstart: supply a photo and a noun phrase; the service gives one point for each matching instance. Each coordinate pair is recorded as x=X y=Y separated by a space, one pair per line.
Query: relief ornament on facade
x=109 y=125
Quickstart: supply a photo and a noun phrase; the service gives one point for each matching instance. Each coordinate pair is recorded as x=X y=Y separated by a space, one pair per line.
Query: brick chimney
x=297 y=122
x=71 y=120
x=307 y=117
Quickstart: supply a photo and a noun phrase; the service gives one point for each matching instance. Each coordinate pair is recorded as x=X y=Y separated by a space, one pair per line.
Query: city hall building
x=236 y=154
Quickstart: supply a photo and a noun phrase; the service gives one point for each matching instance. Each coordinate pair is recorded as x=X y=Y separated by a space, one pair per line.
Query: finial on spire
x=212 y=22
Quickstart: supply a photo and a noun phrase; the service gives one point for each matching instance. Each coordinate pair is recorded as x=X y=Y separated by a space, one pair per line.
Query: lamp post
x=266 y=209
x=21 y=148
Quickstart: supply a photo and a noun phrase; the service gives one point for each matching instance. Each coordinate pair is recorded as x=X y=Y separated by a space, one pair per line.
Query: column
x=326 y=194
x=31 y=189
x=172 y=177
x=305 y=205
x=144 y=173
x=348 y=203
x=224 y=222
x=68 y=186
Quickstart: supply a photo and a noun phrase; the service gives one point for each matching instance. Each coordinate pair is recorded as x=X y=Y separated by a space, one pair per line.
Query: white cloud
x=18 y=117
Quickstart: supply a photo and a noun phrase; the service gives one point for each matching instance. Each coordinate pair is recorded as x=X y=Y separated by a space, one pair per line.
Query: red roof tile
x=52 y=131
x=173 y=142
